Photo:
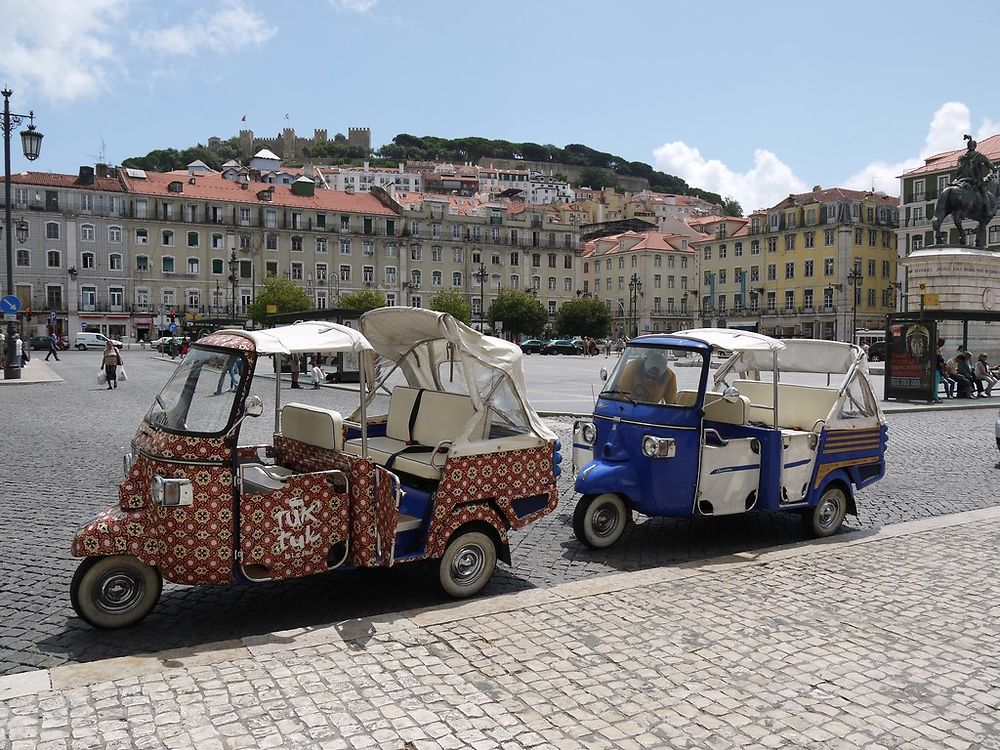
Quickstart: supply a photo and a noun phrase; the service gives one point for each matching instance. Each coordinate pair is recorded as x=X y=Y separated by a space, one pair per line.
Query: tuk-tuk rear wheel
x=599 y=520
x=467 y=564
x=115 y=591
x=826 y=518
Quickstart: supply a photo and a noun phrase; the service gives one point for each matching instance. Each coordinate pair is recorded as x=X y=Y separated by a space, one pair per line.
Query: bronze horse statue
x=963 y=201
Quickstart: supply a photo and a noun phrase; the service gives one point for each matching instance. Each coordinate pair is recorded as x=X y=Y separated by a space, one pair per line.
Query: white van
x=87 y=340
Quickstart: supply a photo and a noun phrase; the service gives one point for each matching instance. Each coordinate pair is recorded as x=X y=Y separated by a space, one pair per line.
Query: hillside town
x=125 y=252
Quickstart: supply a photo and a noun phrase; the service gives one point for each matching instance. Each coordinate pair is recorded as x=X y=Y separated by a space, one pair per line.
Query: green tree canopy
x=450 y=301
x=519 y=312
x=281 y=292
x=597 y=178
x=362 y=300
x=583 y=317
x=731 y=207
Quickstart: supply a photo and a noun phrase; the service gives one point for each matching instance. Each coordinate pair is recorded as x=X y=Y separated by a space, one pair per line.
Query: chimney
x=349 y=189
x=86 y=176
x=102 y=170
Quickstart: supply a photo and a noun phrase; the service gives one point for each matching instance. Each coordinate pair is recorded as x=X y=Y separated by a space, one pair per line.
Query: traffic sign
x=172 y=328
x=83 y=324
x=52 y=316
x=10 y=304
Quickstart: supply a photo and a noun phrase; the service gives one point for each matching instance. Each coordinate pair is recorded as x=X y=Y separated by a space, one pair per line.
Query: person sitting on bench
x=649 y=379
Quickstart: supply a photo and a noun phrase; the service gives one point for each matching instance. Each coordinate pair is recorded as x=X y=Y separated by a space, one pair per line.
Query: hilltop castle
x=288 y=146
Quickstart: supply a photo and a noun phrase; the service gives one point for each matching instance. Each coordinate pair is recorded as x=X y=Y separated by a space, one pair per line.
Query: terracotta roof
x=214 y=187
x=659 y=241
x=50 y=179
x=990 y=148
x=834 y=194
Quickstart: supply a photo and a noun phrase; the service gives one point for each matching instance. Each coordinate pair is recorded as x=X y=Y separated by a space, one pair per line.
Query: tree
x=450 y=301
x=519 y=312
x=597 y=178
x=362 y=300
x=731 y=207
x=583 y=317
x=284 y=294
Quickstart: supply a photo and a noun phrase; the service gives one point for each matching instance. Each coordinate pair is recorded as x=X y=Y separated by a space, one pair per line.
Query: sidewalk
x=877 y=639
x=34 y=371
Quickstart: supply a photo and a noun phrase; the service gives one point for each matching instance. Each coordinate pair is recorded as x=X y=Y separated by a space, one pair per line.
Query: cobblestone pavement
x=878 y=641
x=62 y=445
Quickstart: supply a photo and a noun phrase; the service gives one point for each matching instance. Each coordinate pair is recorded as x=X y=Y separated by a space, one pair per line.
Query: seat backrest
x=799 y=406
x=717 y=409
x=442 y=416
x=400 y=408
x=312 y=425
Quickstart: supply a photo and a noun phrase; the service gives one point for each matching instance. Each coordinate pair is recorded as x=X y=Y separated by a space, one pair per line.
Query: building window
x=193 y=265
x=345 y=247
x=772 y=271
x=810 y=239
x=345 y=272
x=790 y=299
x=415 y=252
x=22 y=258
x=114 y=234
x=270 y=242
x=193 y=239
x=808 y=269
x=142 y=263
x=245 y=216
x=193 y=298
x=297 y=271
x=435 y=278
x=87 y=232
x=722 y=252
x=789 y=242
x=456 y=279
x=51 y=230
x=321 y=244
x=828 y=266
x=708 y=252
x=297 y=243
x=390 y=250
x=871 y=266
x=738 y=250
x=368 y=274
x=390 y=275
x=772 y=244
x=167 y=264
x=167 y=238
x=217 y=265
x=321 y=271
x=270 y=268
x=115 y=262
x=216 y=241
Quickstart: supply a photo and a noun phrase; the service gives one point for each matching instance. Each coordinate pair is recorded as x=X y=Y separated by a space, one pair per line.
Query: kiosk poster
x=910 y=362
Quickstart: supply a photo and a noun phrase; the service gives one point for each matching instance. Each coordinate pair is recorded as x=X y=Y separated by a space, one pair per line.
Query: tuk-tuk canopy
x=423 y=343
x=733 y=340
x=307 y=337
x=797 y=355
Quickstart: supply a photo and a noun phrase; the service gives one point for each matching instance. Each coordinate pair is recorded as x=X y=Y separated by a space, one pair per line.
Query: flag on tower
x=244 y=118
x=286 y=115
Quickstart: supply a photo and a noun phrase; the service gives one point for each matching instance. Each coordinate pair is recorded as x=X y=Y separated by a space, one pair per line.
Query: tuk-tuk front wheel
x=826 y=518
x=114 y=592
x=467 y=564
x=599 y=520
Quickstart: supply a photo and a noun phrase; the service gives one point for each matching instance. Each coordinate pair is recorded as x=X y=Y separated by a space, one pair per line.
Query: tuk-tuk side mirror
x=730 y=395
x=604 y=373
x=254 y=407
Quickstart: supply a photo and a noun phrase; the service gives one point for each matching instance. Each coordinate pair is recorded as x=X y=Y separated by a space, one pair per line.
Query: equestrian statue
x=974 y=194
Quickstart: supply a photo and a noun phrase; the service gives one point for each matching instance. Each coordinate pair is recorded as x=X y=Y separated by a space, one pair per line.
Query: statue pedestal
x=964 y=278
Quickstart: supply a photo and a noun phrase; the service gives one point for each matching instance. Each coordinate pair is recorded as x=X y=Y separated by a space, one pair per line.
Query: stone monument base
x=965 y=279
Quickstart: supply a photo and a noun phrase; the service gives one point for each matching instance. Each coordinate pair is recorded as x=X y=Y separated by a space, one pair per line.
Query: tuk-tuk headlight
x=127 y=462
x=655 y=447
x=171 y=493
x=588 y=432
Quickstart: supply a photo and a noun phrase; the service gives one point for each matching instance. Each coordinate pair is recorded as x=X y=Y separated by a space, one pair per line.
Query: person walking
x=18 y=350
x=53 y=348
x=110 y=362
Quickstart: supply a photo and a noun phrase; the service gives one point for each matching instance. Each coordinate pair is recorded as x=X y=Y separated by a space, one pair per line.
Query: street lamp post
x=480 y=276
x=758 y=293
x=634 y=288
x=855 y=278
x=31 y=144
x=233 y=265
x=839 y=288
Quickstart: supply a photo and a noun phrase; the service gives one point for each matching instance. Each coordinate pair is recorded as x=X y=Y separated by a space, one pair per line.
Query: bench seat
x=417 y=419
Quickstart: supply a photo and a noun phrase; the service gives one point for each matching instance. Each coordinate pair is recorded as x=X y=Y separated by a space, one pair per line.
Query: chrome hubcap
x=605 y=520
x=468 y=565
x=119 y=592
x=829 y=509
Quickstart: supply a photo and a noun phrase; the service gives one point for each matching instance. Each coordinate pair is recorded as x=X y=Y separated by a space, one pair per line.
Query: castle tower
x=288 y=143
x=246 y=143
x=360 y=137
x=319 y=136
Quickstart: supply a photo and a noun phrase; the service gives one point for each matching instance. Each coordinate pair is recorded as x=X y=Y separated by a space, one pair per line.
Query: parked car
x=89 y=340
x=533 y=346
x=163 y=342
x=39 y=343
x=876 y=352
x=563 y=346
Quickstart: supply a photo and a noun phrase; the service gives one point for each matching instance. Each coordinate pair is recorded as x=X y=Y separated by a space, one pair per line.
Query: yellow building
x=816 y=265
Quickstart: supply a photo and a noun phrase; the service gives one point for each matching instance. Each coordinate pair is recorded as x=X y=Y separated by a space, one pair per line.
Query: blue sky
x=752 y=100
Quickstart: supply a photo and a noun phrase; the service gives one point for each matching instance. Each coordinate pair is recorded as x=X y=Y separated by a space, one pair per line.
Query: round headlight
x=589 y=433
x=156 y=489
x=649 y=446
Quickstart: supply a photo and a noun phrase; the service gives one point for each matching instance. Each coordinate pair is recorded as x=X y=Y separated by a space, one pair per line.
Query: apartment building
x=482 y=246
x=71 y=268
x=201 y=245
x=647 y=279
x=814 y=266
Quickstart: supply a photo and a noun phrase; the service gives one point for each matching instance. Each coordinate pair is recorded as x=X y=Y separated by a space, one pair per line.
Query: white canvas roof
x=420 y=340
x=798 y=355
x=308 y=336
x=733 y=340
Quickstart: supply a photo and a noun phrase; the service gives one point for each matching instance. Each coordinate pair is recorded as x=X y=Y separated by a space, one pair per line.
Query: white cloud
x=766 y=183
x=353 y=6
x=230 y=28
x=950 y=122
x=59 y=49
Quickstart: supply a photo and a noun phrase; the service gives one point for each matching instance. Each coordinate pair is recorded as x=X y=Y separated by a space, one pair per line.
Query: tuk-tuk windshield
x=199 y=396
x=655 y=375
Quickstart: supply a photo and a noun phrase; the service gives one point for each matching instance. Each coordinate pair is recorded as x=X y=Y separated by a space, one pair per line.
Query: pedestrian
x=185 y=346
x=18 y=350
x=294 y=366
x=110 y=361
x=942 y=374
x=984 y=378
x=316 y=371
x=964 y=369
x=53 y=348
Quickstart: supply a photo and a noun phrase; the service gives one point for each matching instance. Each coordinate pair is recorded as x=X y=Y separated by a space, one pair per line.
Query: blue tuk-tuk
x=789 y=425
